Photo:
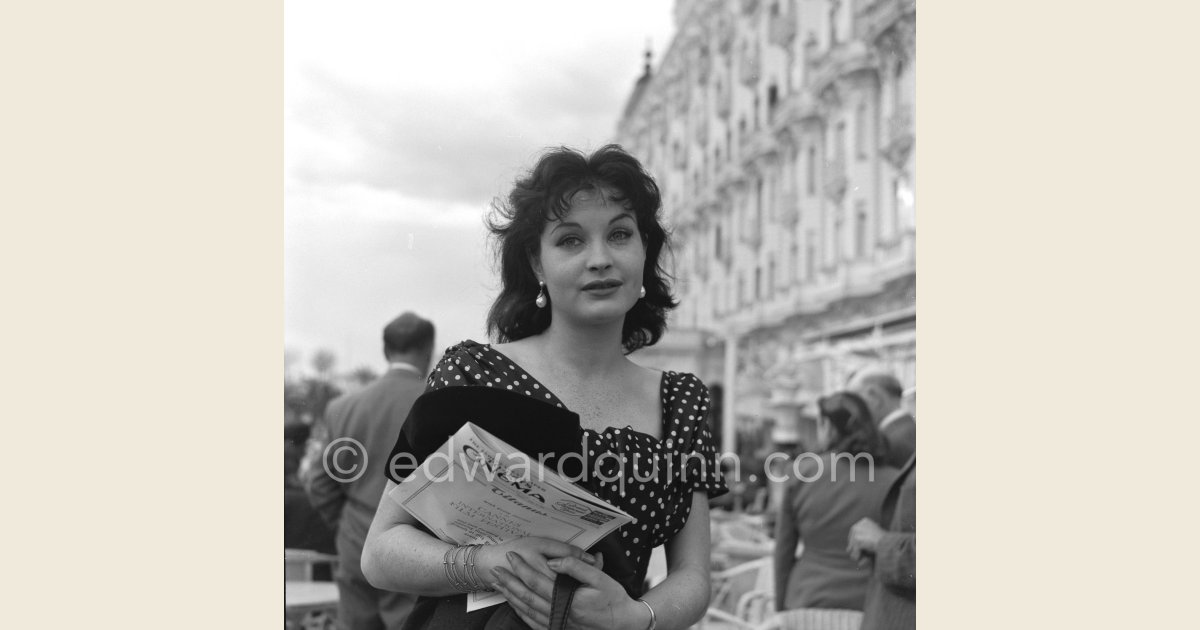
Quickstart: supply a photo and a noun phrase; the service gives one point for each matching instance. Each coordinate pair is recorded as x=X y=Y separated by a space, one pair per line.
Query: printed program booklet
x=478 y=489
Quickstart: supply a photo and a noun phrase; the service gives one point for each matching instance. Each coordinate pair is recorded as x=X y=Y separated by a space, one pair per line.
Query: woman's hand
x=533 y=550
x=599 y=603
x=864 y=539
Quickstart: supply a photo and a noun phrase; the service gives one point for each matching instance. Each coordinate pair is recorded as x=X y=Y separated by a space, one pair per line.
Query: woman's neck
x=585 y=352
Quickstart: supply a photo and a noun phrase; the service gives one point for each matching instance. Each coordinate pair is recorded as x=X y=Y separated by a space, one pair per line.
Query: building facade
x=781 y=133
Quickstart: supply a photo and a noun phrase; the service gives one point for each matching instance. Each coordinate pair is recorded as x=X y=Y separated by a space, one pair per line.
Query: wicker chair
x=814 y=619
x=742 y=595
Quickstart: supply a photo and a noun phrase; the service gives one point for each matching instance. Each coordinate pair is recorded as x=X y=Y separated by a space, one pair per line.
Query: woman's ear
x=535 y=263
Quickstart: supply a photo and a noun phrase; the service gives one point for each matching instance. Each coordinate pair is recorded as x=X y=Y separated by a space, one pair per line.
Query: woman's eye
x=621 y=235
x=570 y=241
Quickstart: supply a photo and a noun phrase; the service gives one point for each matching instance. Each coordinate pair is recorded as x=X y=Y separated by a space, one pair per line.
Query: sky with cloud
x=402 y=121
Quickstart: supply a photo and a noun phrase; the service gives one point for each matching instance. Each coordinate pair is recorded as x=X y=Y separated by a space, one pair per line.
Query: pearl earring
x=541 y=296
x=642 y=292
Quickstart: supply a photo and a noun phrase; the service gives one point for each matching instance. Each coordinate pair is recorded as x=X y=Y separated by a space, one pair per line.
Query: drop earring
x=642 y=292
x=541 y=296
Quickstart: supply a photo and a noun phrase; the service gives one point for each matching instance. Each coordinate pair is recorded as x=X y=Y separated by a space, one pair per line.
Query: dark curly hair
x=851 y=419
x=546 y=191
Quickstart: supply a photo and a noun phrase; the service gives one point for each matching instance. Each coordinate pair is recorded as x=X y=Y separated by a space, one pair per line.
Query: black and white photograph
x=600 y=316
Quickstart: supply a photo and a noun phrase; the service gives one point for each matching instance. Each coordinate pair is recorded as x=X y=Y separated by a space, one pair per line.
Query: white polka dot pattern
x=659 y=477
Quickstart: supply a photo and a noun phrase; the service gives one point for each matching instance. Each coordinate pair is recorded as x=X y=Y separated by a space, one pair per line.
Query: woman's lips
x=602 y=291
x=602 y=284
x=602 y=288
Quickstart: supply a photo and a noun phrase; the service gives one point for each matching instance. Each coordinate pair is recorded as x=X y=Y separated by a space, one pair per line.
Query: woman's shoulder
x=685 y=392
x=464 y=363
x=684 y=383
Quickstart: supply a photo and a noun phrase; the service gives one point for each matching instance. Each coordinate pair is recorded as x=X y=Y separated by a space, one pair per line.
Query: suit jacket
x=901 y=437
x=372 y=416
x=892 y=592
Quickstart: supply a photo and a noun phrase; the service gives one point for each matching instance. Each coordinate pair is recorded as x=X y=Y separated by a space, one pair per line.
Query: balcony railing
x=781 y=30
x=900 y=123
x=835 y=182
x=900 y=137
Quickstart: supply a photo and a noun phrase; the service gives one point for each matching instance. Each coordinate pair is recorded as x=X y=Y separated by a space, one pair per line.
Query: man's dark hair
x=407 y=333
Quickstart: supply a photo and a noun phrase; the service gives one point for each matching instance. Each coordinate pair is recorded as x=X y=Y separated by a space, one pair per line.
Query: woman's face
x=592 y=261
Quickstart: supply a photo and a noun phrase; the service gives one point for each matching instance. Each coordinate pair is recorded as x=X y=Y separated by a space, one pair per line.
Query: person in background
x=347 y=499
x=846 y=483
x=892 y=592
x=303 y=527
x=884 y=396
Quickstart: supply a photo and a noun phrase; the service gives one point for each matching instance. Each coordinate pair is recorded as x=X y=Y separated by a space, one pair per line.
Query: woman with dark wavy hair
x=833 y=489
x=609 y=178
x=580 y=243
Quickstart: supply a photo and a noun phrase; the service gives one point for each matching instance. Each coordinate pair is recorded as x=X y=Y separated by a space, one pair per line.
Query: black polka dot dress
x=653 y=480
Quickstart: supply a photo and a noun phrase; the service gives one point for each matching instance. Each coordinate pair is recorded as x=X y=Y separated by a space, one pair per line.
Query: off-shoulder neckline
x=664 y=381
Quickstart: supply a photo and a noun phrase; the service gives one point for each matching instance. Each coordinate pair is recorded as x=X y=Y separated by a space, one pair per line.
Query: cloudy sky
x=403 y=120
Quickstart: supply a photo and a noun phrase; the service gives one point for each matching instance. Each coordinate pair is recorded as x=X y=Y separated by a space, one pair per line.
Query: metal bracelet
x=447 y=559
x=653 y=620
x=463 y=577
x=475 y=584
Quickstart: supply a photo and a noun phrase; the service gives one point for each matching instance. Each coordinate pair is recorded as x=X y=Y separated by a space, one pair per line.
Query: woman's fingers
x=533 y=579
x=533 y=609
x=580 y=570
x=535 y=550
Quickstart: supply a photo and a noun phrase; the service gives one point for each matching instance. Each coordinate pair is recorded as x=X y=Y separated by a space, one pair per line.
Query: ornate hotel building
x=782 y=134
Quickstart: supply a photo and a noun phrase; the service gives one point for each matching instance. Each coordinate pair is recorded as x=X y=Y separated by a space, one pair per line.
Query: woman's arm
x=398 y=556
x=682 y=598
x=786 y=537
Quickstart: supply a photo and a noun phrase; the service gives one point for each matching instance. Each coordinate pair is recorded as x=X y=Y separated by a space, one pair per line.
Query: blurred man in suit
x=345 y=492
x=884 y=394
x=891 y=602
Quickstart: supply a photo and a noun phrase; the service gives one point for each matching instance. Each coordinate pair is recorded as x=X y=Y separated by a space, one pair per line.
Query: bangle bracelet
x=653 y=621
x=446 y=561
x=464 y=578
x=472 y=576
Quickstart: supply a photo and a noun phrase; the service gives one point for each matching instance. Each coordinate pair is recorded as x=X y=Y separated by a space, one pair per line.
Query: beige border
x=142 y=255
x=1056 y=159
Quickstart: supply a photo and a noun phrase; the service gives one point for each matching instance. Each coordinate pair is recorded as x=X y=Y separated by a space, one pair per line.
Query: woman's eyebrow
x=563 y=224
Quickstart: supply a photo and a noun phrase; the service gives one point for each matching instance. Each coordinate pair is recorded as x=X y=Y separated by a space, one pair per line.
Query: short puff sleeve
x=689 y=425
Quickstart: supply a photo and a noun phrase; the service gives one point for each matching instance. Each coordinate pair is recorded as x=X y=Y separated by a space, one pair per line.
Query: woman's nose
x=599 y=259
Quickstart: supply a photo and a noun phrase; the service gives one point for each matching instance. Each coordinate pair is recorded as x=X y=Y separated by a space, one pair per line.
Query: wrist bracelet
x=653 y=621
x=466 y=578
x=448 y=564
x=472 y=576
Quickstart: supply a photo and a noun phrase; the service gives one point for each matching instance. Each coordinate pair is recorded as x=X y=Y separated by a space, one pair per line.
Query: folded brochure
x=477 y=488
